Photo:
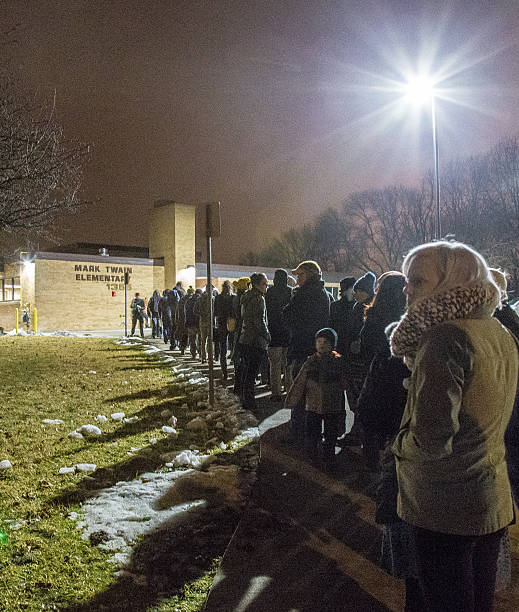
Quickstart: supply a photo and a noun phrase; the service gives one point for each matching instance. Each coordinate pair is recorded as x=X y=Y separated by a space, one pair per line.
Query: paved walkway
x=307 y=541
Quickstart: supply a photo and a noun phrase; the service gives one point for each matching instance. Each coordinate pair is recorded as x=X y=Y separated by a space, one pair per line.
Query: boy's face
x=322 y=346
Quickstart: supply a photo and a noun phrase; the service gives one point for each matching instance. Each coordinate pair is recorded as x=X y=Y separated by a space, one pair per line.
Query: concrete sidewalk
x=308 y=541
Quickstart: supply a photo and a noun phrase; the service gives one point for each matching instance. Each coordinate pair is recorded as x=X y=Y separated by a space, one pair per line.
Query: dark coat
x=278 y=296
x=509 y=318
x=190 y=318
x=153 y=304
x=223 y=308
x=254 y=330
x=180 y=315
x=340 y=313
x=137 y=307
x=307 y=312
x=380 y=408
x=173 y=299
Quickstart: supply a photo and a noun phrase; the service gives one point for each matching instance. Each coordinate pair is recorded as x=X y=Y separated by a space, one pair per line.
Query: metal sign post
x=212 y=217
x=126 y=278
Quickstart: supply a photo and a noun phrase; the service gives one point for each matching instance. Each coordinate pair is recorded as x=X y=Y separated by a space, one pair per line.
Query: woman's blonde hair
x=457 y=265
x=499 y=278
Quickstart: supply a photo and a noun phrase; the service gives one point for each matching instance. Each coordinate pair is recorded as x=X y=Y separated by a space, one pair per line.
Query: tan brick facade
x=172 y=237
x=88 y=294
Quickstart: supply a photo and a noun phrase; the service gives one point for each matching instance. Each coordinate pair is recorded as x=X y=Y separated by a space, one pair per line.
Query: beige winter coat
x=320 y=383
x=450 y=450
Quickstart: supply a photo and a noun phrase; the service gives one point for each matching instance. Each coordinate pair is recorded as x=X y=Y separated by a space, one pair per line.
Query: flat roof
x=134 y=261
x=232 y=271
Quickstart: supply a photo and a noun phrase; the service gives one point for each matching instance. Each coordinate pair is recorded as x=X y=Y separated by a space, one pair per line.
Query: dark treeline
x=373 y=229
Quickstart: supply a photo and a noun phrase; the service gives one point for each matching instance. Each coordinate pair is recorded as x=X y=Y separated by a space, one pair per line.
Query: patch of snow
x=172 y=421
x=66 y=470
x=153 y=440
x=189 y=458
x=131 y=419
x=90 y=431
x=101 y=418
x=170 y=431
x=117 y=416
x=5 y=464
x=85 y=467
x=21 y=332
x=75 y=434
x=247 y=434
x=52 y=421
x=92 y=372
x=127 y=510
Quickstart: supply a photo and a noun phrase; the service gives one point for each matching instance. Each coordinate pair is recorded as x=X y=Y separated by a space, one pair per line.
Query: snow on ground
x=121 y=513
x=118 y=515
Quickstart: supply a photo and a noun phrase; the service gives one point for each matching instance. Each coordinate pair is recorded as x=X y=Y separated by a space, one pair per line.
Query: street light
x=420 y=90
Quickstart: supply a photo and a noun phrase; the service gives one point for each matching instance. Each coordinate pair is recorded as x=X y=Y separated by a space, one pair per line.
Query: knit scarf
x=457 y=303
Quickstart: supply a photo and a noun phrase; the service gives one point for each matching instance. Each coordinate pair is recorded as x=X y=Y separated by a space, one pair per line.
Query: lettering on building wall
x=112 y=275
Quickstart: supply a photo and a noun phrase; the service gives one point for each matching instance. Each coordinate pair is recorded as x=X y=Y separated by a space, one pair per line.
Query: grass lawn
x=44 y=563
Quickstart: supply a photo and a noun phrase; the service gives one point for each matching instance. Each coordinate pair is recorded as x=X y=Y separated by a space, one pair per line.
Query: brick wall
x=78 y=294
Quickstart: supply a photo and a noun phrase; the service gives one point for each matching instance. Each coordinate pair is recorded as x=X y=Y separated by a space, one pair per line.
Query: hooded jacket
x=254 y=330
x=278 y=296
x=307 y=312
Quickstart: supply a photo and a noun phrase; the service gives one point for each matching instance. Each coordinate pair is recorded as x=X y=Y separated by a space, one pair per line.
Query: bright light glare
x=419 y=90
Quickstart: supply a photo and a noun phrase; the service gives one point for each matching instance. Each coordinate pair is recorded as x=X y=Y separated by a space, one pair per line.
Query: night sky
x=279 y=109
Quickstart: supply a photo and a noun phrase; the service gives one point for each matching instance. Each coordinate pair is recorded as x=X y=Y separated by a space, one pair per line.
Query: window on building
x=10 y=289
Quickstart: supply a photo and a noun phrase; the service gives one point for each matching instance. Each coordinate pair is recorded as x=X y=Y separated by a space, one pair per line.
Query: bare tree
x=387 y=222
x=40 y=169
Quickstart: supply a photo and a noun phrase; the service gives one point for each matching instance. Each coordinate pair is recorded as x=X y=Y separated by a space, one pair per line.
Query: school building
x=84 y=288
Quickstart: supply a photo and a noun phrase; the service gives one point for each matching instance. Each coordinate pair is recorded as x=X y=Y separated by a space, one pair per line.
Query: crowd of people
x=427 y=359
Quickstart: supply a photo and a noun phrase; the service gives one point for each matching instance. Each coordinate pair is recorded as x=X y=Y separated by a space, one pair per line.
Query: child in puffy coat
x=320 y=384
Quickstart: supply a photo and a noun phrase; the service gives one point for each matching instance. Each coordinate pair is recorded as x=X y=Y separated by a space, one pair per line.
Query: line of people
x=428 y=360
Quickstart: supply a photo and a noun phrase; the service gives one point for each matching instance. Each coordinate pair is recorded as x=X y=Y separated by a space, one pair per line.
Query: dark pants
x=166 y=329
x=182 y=338
x=156 y=331
x=252 y=357
x=457 y=573
x=317 y=443
x=222 y=342
x=136 y=318
x=297 y=414
x=238 y=367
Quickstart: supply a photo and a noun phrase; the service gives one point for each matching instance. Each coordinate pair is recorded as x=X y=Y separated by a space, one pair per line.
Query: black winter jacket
x=278 y=296
x=380 y=408
x=190 y=318
x=307 y=312
x=340 y=313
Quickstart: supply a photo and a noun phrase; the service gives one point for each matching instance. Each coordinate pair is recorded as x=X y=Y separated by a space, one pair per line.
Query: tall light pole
x=420 y=90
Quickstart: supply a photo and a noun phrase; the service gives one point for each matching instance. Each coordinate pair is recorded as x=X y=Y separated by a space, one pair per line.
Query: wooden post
x=35 y=317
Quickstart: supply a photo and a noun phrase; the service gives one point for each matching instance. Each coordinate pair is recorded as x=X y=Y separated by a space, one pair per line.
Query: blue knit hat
x=330 y=335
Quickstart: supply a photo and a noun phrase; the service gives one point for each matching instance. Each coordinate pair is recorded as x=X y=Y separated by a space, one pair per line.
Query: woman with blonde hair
x=450 y=455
